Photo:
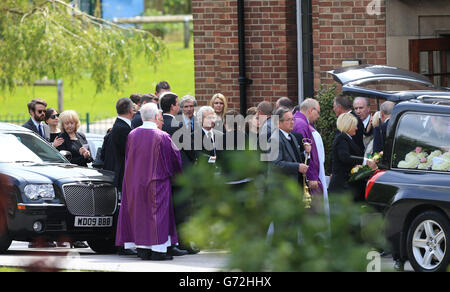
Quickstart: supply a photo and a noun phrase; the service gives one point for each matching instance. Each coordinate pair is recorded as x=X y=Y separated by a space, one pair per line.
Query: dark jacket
x=346 y=154
x=30 y=126
x=359 y=137
x=288 y=158
x=136 y=121
x=119 y=135
x=171 y=125
x=107 y=153
x=379 y=136
x=73 y=146
x=207 y=148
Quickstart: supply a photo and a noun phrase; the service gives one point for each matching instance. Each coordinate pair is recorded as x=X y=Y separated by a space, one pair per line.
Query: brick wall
x=271 y=52
x=343 y=30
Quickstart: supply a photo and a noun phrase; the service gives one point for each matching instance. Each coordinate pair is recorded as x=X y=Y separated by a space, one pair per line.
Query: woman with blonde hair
x=219 y=103
x=346 y=154
x=74 y=141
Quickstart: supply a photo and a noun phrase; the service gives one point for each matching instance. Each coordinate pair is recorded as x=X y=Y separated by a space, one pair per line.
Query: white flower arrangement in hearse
x=419 y=159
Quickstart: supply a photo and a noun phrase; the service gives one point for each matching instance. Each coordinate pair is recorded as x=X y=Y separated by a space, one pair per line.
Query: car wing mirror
x=66 y=154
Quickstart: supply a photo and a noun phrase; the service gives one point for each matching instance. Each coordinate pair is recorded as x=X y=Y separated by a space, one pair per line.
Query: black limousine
x=50 y=198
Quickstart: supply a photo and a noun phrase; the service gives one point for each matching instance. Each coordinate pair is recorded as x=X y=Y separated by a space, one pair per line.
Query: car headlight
x=38 y=191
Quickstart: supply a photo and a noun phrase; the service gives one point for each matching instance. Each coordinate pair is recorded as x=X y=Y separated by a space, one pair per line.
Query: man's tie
x=209 y=135
x=41 y=132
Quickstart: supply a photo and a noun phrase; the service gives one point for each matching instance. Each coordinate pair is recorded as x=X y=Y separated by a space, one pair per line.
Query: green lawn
x=177 y=68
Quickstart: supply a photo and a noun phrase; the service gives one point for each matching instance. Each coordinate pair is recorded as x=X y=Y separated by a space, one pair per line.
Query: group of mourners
x=157 y=136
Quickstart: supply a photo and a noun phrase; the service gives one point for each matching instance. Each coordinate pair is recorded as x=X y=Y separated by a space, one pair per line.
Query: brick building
x=288 y=45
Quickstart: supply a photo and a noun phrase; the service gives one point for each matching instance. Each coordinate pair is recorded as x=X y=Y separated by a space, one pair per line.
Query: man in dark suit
x=170 y=108
x=290 y=157
x=343 y=104
x=36 y=109
x=168 y=102
x=116 y=147
x=187 y=118
x=119 y=134
x=189 y=124
x=379 y=133
x=209 y=143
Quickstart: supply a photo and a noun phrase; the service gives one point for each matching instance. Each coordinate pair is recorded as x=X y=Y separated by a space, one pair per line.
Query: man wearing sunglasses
x=36 y=108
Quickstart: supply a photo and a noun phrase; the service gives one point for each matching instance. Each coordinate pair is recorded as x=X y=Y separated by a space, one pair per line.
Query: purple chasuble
x=146 y=215
x=303 y=127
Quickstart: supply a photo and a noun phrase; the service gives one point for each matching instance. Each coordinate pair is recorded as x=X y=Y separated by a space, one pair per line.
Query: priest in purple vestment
x=146 y=217
x=308 y=114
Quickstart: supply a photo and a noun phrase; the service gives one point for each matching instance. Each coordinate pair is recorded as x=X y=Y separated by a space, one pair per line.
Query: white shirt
x=36 y=123
x=286 y=134
x=125 y=120
x=187 y=121
x=37 y=126
x=169 y=115
x=149 y=125
x=366 y=121
x=210 y=131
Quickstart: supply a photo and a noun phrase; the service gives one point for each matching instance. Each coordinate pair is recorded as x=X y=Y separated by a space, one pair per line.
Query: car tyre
x=103 y=246
x=428 y=242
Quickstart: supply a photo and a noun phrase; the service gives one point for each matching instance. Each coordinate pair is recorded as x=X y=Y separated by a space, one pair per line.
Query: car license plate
x=93 y=221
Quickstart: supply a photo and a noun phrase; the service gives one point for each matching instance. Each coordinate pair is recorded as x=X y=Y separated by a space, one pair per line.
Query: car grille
x=88 y=199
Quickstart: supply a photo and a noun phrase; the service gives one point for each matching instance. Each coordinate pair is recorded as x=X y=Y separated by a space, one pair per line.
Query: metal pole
x=187 y=33
x=87 y=123
x=60 y=90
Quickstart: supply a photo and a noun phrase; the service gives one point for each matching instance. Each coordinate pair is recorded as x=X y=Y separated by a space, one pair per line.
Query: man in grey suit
x=36 y=108
x=290 y=156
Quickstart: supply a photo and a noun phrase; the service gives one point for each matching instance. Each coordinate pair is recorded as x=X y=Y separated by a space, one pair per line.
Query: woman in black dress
x=74 y=142
x=346 y=155
x=52 y=120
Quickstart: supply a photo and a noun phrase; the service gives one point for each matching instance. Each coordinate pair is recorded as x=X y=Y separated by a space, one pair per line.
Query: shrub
x=237 y=217
x=326 y=124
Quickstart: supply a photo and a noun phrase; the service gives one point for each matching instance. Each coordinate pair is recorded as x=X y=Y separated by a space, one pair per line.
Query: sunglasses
x=54 y=116
x=40 y=111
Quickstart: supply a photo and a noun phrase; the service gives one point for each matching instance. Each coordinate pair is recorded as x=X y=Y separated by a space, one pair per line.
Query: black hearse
x=52 y=199
x=412 y=187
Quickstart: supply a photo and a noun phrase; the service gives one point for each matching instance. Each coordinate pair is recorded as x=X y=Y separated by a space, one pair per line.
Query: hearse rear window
x=422 y=142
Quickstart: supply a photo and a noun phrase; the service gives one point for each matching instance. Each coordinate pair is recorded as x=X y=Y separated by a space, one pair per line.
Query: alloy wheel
x=429 y=244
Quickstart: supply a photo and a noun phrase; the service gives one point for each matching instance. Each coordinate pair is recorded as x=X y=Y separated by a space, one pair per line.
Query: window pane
x=394 y=85
x=423 y=142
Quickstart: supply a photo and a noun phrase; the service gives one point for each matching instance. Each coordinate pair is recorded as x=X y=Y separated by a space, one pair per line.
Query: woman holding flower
x=346 y=154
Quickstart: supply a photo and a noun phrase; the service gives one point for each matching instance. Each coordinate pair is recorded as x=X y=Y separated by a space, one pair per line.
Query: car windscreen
x=25 y=147
x=422 y=142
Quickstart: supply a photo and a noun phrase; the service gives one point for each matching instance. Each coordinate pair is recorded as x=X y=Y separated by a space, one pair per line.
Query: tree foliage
x=326 y=124
x=237 y=217
x=51 y=38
